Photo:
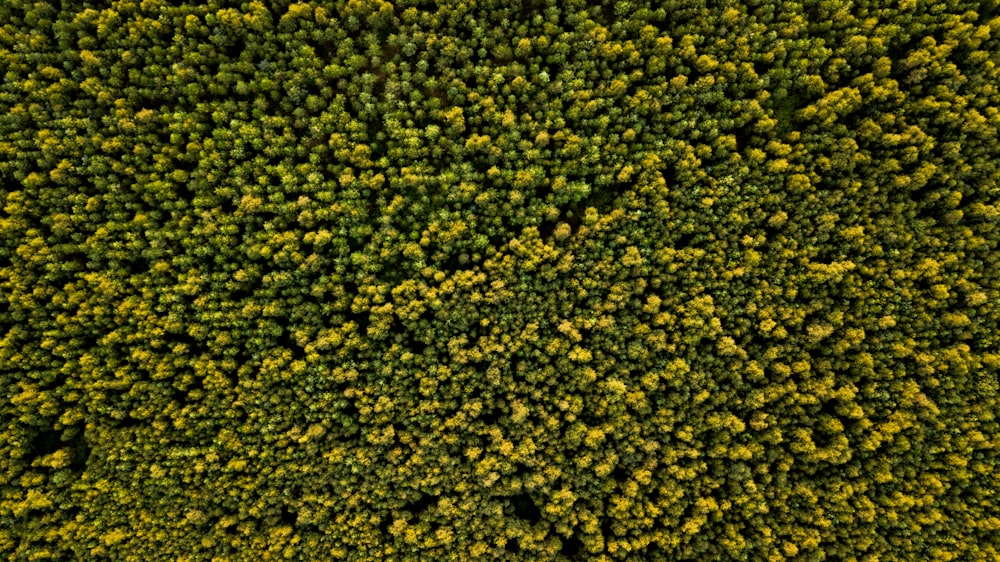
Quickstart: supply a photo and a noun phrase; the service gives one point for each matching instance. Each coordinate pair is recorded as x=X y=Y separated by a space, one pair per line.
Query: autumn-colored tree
x=516 y=280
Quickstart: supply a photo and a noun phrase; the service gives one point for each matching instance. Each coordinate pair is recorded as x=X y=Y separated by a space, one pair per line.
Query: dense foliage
x=515 y=279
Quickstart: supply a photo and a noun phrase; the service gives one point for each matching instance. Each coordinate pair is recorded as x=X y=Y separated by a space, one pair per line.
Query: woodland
x=500 y=280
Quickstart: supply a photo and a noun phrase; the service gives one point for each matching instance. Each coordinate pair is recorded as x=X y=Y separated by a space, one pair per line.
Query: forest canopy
x=500 y=279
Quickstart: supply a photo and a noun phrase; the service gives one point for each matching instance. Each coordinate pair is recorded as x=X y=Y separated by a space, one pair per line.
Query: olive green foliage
x=500 y=279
